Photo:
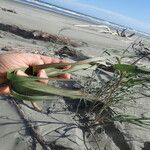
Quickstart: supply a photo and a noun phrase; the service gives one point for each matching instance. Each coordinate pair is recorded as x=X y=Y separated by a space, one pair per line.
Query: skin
x=18 y=60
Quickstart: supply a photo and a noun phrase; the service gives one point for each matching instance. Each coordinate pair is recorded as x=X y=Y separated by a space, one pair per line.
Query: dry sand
x=59 y=127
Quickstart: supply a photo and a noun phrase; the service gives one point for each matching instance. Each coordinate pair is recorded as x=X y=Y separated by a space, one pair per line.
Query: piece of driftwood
x=123 y=33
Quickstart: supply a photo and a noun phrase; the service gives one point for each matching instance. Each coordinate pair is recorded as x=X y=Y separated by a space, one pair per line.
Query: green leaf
x=39 y=91
x=130 y=69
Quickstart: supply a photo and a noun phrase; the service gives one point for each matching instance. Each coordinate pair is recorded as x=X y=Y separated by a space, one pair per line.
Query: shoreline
x=59 y=24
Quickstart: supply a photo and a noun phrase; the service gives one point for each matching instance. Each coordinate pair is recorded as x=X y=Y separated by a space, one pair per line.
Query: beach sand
x=59 y=127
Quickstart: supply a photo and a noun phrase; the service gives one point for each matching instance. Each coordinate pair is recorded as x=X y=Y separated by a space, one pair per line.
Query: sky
x=131 y=13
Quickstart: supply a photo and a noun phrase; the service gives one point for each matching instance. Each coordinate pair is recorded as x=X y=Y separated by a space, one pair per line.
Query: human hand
x=17 y=60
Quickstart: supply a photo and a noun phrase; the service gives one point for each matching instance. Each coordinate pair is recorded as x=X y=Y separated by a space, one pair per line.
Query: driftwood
x=141 y=50
x=124 y=34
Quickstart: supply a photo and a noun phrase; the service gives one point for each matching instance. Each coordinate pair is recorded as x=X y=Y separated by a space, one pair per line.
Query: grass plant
x=126 y=77
x=118 y=89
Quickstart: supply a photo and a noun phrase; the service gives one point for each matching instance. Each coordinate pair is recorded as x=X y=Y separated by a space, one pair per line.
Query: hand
x=17 y=60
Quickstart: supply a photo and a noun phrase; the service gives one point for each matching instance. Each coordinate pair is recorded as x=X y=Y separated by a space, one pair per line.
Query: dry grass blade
x=91 y=61
x=140 y=121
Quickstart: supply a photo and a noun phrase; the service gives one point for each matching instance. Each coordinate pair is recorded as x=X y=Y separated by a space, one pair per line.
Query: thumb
x=41 y=74
x=6 y=89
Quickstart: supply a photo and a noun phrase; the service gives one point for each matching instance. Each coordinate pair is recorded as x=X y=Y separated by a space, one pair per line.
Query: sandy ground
x=59 y=127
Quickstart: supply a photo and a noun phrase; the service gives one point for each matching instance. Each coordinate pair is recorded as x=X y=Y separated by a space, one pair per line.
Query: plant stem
x=109 y=98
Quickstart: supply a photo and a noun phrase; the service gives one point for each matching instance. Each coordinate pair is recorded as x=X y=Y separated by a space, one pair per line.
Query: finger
x=42 y=74
x=64 y=76
x=35 y=59
x=32 y=59
x=4 y=90
x=48 y=60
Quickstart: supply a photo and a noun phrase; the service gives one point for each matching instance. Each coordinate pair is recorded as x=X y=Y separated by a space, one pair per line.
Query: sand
x=59 y=127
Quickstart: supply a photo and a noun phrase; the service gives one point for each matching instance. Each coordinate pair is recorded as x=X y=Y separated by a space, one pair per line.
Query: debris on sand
x=123 y=33
x=38 y=35
x=141 y=50
x=6 y=48
x=8 y=10
x=71 y=52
